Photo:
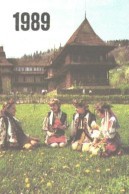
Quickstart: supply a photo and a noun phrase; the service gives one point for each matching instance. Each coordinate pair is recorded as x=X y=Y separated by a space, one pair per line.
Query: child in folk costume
x=109 y=141
x=55 y=125
x=84 y=128
x=11 y=132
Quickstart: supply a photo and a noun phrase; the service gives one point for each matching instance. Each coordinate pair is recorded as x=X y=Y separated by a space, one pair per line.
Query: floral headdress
x=105 y=108
x=102 y=107
x=6 y=105
x=54 y=101
x=80 y=103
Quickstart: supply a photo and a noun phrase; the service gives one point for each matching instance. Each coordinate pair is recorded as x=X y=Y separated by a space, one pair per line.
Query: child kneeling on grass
x=11 y=132
x=55 y=124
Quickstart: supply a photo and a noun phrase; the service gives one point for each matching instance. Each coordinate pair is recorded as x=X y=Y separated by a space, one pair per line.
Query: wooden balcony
x=91 y=63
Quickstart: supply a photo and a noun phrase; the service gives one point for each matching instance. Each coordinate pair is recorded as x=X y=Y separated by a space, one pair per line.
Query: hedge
x=91 y=99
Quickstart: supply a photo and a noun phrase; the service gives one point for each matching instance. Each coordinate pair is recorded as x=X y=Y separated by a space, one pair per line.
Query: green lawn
x=62 y=171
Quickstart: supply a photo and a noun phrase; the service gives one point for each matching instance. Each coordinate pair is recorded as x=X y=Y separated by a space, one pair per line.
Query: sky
x=108 y=18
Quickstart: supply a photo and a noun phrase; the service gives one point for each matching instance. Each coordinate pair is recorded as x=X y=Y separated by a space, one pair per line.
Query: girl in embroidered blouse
x=11 y=132
x=109 y=141
x=84 y=128
x=55 y=124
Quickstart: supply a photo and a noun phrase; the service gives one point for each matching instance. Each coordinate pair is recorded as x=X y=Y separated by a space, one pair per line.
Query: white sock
x=61 y=145
x=54 y=145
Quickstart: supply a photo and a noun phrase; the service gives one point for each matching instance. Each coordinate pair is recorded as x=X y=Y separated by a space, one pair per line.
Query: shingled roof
x=3 y=60
x=85 y=35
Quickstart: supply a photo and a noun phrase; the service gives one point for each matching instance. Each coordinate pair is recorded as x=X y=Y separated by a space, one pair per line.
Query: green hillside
x=120 y=76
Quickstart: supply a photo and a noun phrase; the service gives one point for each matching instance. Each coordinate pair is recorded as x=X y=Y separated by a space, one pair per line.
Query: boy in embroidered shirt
x=83 y=128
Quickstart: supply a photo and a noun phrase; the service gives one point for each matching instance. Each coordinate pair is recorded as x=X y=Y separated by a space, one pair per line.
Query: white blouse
x=109 y=129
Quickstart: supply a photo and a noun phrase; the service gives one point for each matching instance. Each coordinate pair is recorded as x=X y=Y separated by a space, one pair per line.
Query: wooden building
x=29 y=79
x=83 y=61
x=6 y=71
x=21 y=78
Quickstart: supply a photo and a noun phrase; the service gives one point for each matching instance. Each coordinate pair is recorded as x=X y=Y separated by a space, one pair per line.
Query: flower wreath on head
x=80 y=103
x=6 y=105
x=54 y=101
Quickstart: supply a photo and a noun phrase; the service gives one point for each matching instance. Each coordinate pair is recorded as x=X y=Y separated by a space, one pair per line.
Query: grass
x=62 y=171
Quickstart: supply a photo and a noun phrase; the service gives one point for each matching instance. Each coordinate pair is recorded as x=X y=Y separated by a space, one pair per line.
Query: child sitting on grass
x=109 y=141
x=11 y=132
x=55 y=125
x=83 y=128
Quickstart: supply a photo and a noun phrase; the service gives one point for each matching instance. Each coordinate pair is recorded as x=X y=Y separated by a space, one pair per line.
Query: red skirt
x=112 y=145
x=54 y=139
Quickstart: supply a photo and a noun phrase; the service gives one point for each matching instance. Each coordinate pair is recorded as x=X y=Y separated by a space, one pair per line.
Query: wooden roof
x=41 y=63
x=85 y=35
x=3 y=61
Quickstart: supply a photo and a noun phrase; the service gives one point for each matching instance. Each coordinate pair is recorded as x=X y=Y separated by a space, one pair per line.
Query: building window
x=39 y=69
x=25 y=68
x=19 y=69
x=29 y=69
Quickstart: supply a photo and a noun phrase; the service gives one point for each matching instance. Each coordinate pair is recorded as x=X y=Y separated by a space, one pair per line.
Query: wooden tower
x=83 y=61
